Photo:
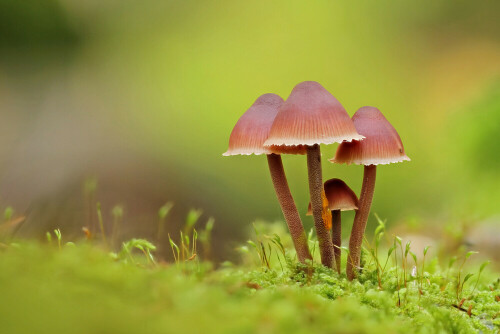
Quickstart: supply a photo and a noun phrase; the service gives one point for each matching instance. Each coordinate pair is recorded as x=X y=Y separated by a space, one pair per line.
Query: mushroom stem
x=360 y=219
x=288 y=207
x=336 y=236
x=316 y=191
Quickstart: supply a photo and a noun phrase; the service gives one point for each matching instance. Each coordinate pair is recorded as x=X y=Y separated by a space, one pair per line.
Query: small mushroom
x=382 y=145
x=309 y=117
x=340 y=198
x=247 y=138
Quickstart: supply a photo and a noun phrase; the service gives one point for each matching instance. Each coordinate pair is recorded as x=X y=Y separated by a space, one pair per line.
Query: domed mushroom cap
x=382 y=144
x=339 y=195
x=253 y=127
x=311 y=115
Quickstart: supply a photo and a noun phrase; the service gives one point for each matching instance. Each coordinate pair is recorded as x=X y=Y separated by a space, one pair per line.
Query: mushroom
x=382 y=145
x=340 y=198
x=247 y=138
x=312 y=116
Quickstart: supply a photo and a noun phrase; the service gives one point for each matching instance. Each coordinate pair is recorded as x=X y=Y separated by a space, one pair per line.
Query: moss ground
x=81 y=288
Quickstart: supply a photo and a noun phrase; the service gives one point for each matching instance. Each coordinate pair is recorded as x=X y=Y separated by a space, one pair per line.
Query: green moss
x=83 y=289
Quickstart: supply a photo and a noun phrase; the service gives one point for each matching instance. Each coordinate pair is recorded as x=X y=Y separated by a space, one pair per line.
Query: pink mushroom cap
x=311 y=115
x=382 y=144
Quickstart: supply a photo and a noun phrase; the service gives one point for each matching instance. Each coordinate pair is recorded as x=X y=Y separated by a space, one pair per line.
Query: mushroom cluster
x=309 y=117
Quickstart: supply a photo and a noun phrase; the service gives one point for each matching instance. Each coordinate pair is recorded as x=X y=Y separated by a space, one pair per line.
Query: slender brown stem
x=360 y=219
x=337 y=236
x=315 y=191
x=288 y=207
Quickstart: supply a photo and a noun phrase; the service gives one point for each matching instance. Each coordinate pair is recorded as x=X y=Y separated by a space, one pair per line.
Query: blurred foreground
x=80 y=287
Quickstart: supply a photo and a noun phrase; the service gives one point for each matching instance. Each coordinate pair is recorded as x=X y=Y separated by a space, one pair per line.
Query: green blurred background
x=142 y=96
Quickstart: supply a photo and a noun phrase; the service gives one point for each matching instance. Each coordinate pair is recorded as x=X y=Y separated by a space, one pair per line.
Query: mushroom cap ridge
x=311 y=115
x=253 y=127
x=382 y=144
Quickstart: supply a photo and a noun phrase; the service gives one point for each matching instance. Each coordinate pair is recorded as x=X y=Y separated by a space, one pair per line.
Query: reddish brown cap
x=381 y=146
x=253 y=127
x=339 y=195
x=311 y=115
